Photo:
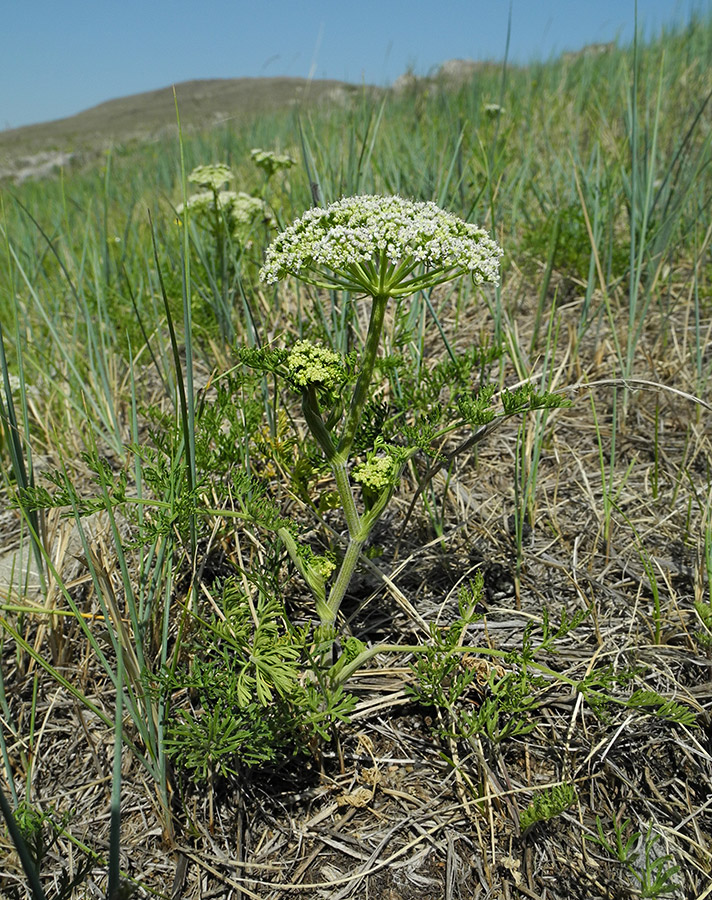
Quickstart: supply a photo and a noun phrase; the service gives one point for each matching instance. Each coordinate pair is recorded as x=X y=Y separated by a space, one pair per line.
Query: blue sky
x=58 y=57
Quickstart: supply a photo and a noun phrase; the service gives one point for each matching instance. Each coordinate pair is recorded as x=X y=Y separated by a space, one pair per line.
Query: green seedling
x=548 y=804
x=653 y=873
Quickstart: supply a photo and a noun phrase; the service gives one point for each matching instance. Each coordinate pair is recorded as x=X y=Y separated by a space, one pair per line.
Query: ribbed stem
x=343 y=579
x=312 y=414
x=343 y=487
x=338 y=457
x=368 y=361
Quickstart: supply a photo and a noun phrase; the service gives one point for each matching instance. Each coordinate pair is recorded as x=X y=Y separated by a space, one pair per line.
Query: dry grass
x=390 y=810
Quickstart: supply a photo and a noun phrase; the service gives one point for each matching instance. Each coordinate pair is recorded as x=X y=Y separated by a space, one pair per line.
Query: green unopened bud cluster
x=309 y=364
x=324 y=565
x=376 y=474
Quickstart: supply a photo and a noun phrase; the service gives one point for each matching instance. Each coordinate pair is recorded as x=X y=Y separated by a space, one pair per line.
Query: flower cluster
x=309 y=364
x=270 y=162
x=211 y=176
x=205 y=201
x=323 y=565
x=381 y=246
x=238 y=210
x=245 y=211
x=376 y=473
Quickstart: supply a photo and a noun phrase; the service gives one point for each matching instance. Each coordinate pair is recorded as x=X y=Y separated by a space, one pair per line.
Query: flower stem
x=343 y=579
x=368 y=361
x=348 y=504
x=310 y=407
x=338 y=460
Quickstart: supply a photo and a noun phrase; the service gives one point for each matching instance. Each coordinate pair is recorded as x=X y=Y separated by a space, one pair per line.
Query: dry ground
x=394 y=812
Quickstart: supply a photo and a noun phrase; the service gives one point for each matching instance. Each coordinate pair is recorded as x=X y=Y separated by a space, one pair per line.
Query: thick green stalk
x=343 y=487
x=368 y=361
x=338 y=457
x=312 y=415
x=343 y=579
x=337 y=461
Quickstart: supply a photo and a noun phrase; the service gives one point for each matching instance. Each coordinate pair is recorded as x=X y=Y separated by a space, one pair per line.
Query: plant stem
x=343 y=579
x=337 y=461
x=343 y=487
x=312 y=415
x=368 y=361
x=348 y=670
x=338 y=457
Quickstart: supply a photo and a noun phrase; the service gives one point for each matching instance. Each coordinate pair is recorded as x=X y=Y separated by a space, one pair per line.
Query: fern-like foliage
x=547 y=804
x=249 y=704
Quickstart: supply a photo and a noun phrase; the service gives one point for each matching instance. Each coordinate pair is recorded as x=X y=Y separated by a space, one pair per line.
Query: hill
x=37 y=149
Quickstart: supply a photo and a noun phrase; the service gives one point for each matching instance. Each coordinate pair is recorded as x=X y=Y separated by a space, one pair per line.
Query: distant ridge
x=36 y=149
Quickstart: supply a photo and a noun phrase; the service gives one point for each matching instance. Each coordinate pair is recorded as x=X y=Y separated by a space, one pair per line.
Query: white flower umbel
x=239 y=211
x=207 y=201
x=271 y=162
x=381 y=246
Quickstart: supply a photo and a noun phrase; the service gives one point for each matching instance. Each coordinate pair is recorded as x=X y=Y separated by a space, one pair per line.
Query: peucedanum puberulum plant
x=223 y=213
x=384 y=249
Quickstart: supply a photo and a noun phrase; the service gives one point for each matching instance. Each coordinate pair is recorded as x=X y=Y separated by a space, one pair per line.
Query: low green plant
x=653 y=873
x=493 y=694
x=249 y=702
x=495 y=701
x=563 y=238
x=35 y=835
x=547 y=804
x=704 y=612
